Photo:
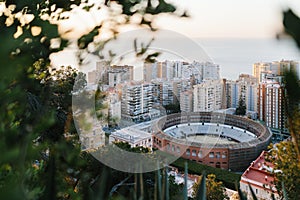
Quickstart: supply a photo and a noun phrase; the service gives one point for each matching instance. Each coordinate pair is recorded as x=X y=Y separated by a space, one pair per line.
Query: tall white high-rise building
x=163 y=92
x=208 y=96
x=186 y=101
x=137 y=100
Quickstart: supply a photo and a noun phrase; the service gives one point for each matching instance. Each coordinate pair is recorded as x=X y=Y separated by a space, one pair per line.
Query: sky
x=229 y=18
x=211 y=18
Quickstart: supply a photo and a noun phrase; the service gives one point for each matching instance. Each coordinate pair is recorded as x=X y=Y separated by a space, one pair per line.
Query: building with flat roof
x=134 y=137
x=169 y=70
x=264 y=69
x=207 y=96
x=246 y=88
x=259 y=177
x=186 y=101
x=137 y=101
x=271 y=104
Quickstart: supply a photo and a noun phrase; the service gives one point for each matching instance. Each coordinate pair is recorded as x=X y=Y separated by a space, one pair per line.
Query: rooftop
x=259 y=172
x=131 y=135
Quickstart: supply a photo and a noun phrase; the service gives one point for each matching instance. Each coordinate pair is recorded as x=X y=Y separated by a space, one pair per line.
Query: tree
x=172 y=108
x=41 y=154
x=241 y=108
x=214 y=188
x=285 y=155
x=286 y=168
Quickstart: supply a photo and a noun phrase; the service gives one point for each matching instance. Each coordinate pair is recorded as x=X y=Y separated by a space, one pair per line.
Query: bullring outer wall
x=235 y=157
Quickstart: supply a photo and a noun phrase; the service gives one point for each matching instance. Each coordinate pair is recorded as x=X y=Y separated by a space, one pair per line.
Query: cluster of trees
x=214 y=189
x=41 y=157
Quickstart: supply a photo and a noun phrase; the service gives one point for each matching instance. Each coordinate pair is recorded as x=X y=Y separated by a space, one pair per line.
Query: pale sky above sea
x=208 y=18
x=230 y=18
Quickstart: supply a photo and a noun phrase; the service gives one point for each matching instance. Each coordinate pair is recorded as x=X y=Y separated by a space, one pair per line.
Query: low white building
x=132 y=136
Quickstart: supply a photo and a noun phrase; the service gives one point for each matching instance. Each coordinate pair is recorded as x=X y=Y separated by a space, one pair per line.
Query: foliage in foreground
x=41 y=156
x=228 y=178
x=214 y=189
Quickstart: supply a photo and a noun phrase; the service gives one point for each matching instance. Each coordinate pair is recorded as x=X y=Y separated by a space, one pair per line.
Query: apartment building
x=207 y=96
x=137 y=101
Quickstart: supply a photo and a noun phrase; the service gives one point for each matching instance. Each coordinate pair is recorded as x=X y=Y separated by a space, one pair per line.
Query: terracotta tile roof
x=260 y=171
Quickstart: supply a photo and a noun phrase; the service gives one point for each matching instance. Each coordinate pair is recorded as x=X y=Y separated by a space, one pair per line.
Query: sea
x=236 y=56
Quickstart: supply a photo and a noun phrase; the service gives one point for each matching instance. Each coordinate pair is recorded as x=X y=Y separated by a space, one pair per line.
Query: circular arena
x=215 y=139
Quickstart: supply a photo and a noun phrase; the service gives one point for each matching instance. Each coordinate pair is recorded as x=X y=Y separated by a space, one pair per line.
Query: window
x=200 y=155
x=178 y=150
x=173 y=148
x=194 y=153
x=218 y=155
x=168 y=147
x=188 y=152
x=224 y=154
x=211 y=154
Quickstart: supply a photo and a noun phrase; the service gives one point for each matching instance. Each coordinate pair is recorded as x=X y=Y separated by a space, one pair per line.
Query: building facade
x=207 y=96
x=168 y=70
x=186 y=101
x=264 y=69
x=137 y=101
x=271 y=104
x=234 y=156
x=134 y=137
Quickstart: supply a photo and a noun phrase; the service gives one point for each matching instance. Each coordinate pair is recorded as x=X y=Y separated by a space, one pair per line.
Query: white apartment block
x=207 y=96
x=137 y=100
x=159 y=70
x=245 y=87
x=186 y=101
x=264 y=69
x=169 y=70
x=163 y=92
x=179 y=86
x=208 y=70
